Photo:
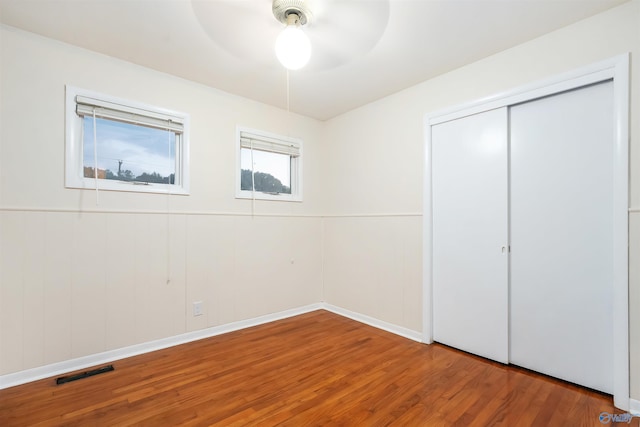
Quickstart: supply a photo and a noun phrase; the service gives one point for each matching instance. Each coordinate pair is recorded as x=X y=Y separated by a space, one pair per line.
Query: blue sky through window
x=278 y=165
x=140 y=149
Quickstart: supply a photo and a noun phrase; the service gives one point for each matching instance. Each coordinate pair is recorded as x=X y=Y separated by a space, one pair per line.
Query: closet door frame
x=617 y=70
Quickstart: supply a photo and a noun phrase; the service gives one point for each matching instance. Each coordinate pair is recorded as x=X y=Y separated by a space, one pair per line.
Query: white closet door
x=470 y=288
x=561 y=236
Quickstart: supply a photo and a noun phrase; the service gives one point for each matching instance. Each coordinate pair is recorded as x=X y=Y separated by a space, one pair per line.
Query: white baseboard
x=634 y=407
x=34 y=374
x=47 y=371
x=389 y=327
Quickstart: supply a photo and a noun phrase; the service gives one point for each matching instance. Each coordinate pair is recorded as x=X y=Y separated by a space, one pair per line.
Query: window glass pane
x=128 y=152
x=272 y=171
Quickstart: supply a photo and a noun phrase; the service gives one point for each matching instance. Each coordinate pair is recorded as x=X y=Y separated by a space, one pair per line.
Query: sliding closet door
x=561 y=235
x=469 y=176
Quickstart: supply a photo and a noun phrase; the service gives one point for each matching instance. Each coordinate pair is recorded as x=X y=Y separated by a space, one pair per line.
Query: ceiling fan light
x=293 y=47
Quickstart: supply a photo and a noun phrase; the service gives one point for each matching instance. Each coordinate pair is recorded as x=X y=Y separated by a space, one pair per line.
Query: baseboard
x=634 y=407
x=376 y=323
x=41 y=372
x=54 y=369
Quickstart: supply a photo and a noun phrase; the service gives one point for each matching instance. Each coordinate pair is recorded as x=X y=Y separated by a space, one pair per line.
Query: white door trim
x=617 y=69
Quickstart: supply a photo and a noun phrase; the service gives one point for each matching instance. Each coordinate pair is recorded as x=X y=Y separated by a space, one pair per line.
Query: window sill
x=133 y=187
x=248 y=195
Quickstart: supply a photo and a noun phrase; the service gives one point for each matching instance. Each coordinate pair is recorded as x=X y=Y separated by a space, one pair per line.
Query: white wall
x=373 y=163
x=356 y=239
x=78 y=279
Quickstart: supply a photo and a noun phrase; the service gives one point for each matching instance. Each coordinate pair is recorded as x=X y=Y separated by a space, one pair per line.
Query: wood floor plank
x=317 y=369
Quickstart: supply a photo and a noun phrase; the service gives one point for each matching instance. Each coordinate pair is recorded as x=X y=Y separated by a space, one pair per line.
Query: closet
x=523 y=231
x=470 y=234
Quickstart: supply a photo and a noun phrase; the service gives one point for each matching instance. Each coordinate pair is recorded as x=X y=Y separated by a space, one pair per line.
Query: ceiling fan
x=338 y=31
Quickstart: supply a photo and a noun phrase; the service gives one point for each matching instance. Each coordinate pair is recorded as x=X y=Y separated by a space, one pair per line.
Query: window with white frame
x=269 y=166
x=115 y=144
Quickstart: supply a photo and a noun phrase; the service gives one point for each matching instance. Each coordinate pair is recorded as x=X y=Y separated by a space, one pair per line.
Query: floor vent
x=82 y=375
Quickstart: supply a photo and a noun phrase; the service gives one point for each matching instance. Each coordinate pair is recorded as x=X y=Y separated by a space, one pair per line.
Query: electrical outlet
x=197 y=308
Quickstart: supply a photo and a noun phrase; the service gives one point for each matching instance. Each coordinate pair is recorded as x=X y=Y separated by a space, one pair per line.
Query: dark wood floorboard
x=317 y=369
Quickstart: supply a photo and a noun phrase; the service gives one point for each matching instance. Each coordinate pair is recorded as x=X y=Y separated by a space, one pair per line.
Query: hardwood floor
x=317 y=369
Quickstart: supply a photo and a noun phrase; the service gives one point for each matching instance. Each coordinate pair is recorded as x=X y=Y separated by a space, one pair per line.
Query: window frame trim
x=296 y=168
x=74 y=166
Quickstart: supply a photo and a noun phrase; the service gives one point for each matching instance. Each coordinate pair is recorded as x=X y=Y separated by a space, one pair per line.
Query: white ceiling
x=363 y=49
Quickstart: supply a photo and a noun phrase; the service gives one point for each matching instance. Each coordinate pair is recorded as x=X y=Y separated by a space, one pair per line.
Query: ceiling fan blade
x=245 y=29
x=345 y=30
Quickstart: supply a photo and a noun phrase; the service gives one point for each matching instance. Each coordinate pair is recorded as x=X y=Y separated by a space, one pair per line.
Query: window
x=270 y=164
x=113 y=144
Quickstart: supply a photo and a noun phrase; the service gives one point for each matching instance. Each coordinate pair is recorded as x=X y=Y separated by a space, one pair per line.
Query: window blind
x=273 y=145
x=86 y=106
